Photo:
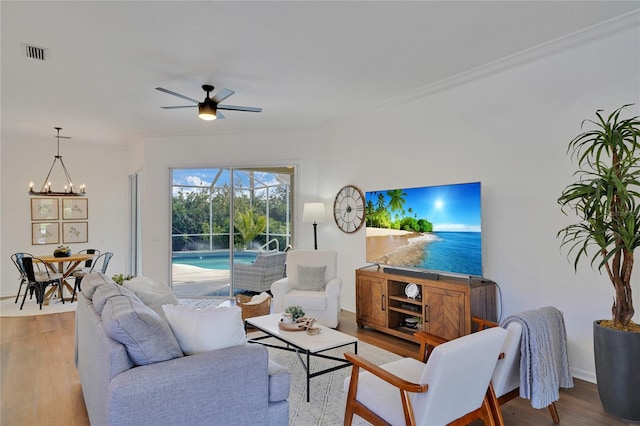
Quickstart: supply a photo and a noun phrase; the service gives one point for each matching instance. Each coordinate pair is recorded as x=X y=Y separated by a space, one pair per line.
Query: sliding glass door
x=222 y=217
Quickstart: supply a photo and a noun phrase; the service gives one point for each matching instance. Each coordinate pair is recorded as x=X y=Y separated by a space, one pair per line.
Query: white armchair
x=451 y=388
x=309 y=286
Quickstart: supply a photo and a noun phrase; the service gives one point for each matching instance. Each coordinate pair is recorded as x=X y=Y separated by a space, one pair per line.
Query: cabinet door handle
x=382 y=302
x=427 y=313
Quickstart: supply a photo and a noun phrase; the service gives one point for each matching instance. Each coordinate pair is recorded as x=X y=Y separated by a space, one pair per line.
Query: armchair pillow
x=146 y=336
x=310 y=278
x=208 y=329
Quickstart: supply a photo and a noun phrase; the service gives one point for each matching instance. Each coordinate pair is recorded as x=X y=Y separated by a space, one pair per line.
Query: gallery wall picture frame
x=75 y=232
x=44 y=209
x=75 y=208
x=45 y=233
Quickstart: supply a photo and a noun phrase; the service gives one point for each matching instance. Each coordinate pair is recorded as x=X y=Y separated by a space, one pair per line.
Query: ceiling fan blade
x=179 y=106
x=239 y=108
x=176 y=94
x=219 y=115
x=222 y=95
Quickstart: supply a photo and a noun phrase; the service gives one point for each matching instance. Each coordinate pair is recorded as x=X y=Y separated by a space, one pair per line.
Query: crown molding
x=626 y=22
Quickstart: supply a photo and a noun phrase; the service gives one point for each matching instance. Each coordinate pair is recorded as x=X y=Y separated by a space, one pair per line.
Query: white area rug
x=327 y=403
x=10 y=309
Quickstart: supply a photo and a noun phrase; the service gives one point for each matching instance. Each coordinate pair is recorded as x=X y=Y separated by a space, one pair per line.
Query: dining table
x=65 y=266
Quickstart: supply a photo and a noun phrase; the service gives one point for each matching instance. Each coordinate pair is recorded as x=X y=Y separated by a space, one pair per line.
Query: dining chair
x=16 y=258
x=451 y=388
x=104 y=258
x=79 y=273
x=38 y=281
x=88 y=263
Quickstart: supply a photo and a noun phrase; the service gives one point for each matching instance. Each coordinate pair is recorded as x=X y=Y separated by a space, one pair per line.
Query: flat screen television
x=431 y=228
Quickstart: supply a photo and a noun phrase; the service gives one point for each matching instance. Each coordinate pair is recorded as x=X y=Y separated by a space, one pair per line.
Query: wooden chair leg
x=553 y=410
x=351 y=396
x=494 y=406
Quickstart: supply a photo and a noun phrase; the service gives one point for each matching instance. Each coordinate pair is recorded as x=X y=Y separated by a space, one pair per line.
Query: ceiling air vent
x=34 y=52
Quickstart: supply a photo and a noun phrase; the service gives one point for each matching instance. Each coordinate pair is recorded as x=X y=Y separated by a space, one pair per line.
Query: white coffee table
x=301 y=342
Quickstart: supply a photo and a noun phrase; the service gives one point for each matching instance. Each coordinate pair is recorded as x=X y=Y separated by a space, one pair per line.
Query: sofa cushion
x=152 y=294
x=310 y=278
x=92 y=281
x=104 y=292
x=147 y=336
x=208 y=329
x=315 y=300
x=279 y=382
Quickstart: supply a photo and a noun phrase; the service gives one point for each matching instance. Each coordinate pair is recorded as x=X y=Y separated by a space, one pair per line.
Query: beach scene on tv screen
x=437 y=228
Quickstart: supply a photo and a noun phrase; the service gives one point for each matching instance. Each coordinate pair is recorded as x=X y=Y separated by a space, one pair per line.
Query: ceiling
x=304 y=63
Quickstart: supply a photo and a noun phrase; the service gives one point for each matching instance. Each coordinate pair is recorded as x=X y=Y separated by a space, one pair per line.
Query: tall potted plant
x=606 y=200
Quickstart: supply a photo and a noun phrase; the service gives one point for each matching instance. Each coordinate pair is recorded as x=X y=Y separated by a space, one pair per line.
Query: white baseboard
x=587 y=376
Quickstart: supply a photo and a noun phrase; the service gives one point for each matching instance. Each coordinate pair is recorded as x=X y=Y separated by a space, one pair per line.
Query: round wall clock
x=348 y=209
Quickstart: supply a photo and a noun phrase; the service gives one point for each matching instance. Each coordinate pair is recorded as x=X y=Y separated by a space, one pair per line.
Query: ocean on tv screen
x=436 y=228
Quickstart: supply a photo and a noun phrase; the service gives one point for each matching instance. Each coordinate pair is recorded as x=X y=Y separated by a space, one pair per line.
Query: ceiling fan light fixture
x=206 y=111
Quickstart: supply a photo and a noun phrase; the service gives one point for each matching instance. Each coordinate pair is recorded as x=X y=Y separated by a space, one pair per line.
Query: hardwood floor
x=40 y=384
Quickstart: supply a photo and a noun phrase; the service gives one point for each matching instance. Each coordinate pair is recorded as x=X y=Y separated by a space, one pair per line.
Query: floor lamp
x=314 y=212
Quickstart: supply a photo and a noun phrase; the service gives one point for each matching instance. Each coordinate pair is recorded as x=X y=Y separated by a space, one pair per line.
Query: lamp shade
x=313 y=212
x=206 y=111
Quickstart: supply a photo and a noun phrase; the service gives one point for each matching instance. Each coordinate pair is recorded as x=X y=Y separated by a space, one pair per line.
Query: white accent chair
x=506 y=376
x=451 y=388
x=321 y=304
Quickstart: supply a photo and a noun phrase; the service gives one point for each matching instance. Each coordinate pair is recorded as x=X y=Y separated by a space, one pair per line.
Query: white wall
x=102 y=169
x=298 y=148
x=510 y=131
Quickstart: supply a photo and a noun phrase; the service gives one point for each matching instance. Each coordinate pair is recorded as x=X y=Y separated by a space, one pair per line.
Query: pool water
x=213 y=260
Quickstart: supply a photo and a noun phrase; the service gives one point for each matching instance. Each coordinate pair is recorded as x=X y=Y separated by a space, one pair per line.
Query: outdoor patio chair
x=259 y=275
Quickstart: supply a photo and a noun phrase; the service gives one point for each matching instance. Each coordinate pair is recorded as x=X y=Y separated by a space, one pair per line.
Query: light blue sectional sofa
x=232 y=386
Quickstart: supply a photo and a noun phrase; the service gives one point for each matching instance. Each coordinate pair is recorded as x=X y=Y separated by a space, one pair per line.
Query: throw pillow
x=152 y=294
x=92 y=281
x=146 y=336
x=310 y=278
x=107 y=291
x=208 y=329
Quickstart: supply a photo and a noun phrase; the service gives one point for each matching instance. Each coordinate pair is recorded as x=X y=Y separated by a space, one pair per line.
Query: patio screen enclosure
x=224 y=216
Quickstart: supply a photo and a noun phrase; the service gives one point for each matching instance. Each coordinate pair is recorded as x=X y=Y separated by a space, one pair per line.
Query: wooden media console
x=444 y=305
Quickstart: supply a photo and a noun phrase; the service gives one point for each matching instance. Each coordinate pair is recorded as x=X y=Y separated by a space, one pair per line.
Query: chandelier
x=69 y=190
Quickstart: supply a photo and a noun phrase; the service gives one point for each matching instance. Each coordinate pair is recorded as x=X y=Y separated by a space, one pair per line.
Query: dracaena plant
x=606 y=200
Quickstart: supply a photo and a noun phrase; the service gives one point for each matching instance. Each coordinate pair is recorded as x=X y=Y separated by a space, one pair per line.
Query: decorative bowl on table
x=62 y=251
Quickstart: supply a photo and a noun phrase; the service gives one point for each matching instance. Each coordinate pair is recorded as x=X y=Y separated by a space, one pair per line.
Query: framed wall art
x=75 y=208
x=44 y=209
x=45 y=233
x=75 y=232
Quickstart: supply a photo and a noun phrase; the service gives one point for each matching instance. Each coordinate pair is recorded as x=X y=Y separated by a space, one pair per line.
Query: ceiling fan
x=209 y=109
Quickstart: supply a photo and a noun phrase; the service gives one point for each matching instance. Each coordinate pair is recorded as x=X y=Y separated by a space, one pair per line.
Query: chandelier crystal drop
x=69 y=190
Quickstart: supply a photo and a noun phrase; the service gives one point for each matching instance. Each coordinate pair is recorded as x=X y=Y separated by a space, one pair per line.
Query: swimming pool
x=212 y=260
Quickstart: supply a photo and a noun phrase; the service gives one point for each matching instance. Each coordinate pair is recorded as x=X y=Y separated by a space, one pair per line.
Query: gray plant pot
x=617 y=355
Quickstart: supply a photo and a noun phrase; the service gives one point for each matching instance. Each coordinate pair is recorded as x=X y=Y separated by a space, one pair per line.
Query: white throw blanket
x=544 y=361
